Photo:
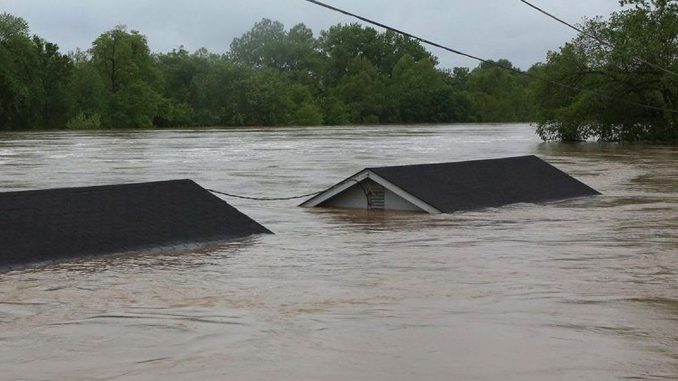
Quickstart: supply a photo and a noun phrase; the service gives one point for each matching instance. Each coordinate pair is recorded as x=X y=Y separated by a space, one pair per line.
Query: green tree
x=271 y=76
x=87 y=93
x=125 y=64
x=419 y=93
x=498 y=94
x=12 y=27
x=55 y=70
x=262 y=47
x=179 y=71
x=242 y=96
x=335 y=112
x=33 y=77
x=608 y=80
x=22 y=94
x=269 y=46
x=343 y=43
x=363 y=90
x=461 y=107
x=306 y=111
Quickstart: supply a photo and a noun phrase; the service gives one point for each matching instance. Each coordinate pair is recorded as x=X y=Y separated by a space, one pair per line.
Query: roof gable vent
x=376 y=196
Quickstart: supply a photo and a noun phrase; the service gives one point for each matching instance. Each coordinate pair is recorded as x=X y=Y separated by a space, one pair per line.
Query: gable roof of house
x=58 y=223
x=468 y=185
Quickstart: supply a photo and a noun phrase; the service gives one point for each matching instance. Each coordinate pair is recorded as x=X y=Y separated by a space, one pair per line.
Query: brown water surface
x=583 y=289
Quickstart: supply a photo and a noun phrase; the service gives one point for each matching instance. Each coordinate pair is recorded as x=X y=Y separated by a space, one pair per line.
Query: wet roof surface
x=69 y=222
x=469 y=185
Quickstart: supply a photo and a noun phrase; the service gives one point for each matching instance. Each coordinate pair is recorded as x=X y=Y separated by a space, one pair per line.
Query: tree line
x=621 y=76
x=348 y=74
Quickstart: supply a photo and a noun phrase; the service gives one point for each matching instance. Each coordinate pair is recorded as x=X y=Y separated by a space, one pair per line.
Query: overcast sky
x=488 y=28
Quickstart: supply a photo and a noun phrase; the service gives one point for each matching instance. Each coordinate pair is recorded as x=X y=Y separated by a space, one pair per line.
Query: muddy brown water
x=582 y=289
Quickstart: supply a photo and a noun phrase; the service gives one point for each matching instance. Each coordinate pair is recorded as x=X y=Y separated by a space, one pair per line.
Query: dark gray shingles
x=468 y=185
x=60 y=223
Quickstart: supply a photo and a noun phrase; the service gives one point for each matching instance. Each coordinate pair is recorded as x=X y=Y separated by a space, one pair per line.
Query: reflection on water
x=581 y=289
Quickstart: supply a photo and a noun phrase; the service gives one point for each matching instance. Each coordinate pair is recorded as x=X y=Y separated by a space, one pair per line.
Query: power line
x=558 y=19
x=406 y=34
x=487 y=61
x=263 y=198
x=593 y=36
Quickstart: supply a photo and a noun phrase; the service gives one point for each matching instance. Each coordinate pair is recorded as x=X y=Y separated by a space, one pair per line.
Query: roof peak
x=466 y=185
x=112 y=185
x=459 y=162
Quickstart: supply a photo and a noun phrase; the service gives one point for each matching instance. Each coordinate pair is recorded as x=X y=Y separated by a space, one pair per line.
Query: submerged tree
x=621 y=78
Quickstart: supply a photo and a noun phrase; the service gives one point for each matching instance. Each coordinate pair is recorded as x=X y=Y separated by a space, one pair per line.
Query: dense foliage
x=348 y=74
x=615 y=66
x=592 y=88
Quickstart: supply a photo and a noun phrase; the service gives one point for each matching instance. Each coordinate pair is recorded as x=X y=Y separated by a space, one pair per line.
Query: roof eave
x=403 y=193
x=360 y=176
x=335 y=190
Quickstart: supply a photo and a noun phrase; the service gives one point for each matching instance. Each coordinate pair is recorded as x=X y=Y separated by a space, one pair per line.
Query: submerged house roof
x=59 y=223
x=451 y=187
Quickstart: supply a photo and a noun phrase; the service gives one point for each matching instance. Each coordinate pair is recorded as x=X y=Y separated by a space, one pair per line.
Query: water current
x=583 y=289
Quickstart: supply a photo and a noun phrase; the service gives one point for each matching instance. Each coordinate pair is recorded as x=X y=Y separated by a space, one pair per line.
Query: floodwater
x=584 y=289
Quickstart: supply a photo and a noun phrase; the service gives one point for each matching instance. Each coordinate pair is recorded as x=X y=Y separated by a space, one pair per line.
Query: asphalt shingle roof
x=468 y=185
x=60 y=223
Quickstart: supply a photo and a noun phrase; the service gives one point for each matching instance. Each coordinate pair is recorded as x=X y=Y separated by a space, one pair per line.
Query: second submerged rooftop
x=452 y=187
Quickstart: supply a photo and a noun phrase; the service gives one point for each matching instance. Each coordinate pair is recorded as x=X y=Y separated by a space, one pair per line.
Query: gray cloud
x=491 y=28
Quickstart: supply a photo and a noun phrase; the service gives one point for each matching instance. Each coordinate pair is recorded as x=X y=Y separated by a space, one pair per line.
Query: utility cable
x=368 y=193
x=487 y=61
x=263 y=198
x=593 y=36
